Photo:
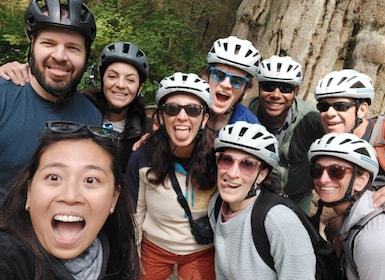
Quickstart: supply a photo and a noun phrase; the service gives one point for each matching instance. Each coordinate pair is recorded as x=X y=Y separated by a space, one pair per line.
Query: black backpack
x=327 y=264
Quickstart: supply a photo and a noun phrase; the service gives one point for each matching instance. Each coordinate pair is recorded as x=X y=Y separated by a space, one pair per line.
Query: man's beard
x=58 y=89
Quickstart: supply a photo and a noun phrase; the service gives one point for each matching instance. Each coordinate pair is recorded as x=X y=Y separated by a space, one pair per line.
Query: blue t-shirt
x=241 y=113
x=23 y=114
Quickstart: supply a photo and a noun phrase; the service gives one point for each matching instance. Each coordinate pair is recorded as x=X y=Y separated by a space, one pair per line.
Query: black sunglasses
x=235 y=80
x=173 y=109
x=73 y=127
x=338 y=106
x=335 y=171
x=271 y=86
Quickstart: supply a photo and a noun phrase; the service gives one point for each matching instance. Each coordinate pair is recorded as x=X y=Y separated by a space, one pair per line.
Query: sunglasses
x=335 y=171
x=338 y=106
x=247 y=166
x=235 y=80
x=173 y=109
x=271 y=86
x=73 y=127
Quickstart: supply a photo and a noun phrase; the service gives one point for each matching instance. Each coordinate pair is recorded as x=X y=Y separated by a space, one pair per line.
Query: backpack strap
x=377 y=135
x=352 y=234
x=265 y=201
x=217 y=207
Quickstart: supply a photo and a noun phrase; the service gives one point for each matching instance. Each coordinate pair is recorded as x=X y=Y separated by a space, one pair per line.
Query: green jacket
x=292 y=176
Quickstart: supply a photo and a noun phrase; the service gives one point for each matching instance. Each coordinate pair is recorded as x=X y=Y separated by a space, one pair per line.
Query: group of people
x=78 y=203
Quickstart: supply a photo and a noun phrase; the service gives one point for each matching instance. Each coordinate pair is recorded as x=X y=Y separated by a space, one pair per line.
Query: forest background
x=175 y=35
x=323 y=35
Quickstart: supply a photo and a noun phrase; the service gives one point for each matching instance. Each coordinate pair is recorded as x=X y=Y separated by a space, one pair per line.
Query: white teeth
x=68 y=219
x=327 y=188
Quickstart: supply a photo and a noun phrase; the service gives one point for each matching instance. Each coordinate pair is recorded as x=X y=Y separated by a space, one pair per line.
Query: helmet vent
x=126 y=48
x=362 y=151
x=358 y=85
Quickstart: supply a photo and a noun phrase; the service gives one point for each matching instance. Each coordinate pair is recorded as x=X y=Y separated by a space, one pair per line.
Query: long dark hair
x=119 y=227
x=202 y=168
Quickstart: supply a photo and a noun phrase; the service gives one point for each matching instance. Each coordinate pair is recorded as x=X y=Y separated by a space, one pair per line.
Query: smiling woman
x=67 y=214
x=178 y=155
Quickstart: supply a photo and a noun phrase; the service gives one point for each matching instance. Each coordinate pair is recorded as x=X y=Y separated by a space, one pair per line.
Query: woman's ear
x=205 y=119
x=361 y=182
x=141 y=86
x=262 y=175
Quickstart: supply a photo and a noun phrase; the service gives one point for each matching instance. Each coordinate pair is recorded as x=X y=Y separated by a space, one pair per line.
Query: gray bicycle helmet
x=181 y=82
x=235 y=52
x=124 y=52
x=70 y=14
x=280 y=69
x=345 y=83
x=346 y=146
x=250 y=138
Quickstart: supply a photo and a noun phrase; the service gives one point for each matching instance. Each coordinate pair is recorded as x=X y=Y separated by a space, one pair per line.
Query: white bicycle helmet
x=235 y=52
x=250 y=138
x=181 y=82
x=345 y=83
x=280 y=69
x=124 y=52
x=346 y=146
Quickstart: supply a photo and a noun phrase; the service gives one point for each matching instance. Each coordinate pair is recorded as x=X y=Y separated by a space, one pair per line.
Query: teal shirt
x=23 y=114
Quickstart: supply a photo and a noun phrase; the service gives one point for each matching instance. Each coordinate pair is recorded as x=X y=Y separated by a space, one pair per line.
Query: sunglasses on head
x=247 y=166
x=173 y=109
x=271 y=86
x=235 y=80
x=338 y=106
x=66 y=127
x=335 y=171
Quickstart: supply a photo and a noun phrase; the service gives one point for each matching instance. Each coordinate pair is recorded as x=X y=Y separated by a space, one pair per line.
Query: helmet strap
x=357 y=120
x=253 y=188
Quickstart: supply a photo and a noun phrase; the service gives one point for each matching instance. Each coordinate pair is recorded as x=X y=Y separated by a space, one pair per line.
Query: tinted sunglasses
x=271 y=86
x=335 y=171
x=73 y=127
x=235 y=80
x=247 y=166
x=338 y=106
x=173 y=109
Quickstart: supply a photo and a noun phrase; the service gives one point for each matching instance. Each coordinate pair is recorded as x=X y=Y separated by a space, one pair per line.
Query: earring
x=112 y=210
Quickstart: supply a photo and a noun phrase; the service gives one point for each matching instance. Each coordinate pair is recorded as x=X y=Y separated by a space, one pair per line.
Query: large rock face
x=323 y=35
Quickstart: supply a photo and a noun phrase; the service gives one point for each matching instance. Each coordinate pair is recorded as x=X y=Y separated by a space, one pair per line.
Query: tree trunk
x=322 y=35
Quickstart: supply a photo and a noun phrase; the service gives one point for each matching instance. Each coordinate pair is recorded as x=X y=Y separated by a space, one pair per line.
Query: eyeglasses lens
x=235 y=80
x=338 y=106
x=283 y=87
x=64 y=127
x=335 y=171
x=246 y=166
x=173 y=109
x=72 y=127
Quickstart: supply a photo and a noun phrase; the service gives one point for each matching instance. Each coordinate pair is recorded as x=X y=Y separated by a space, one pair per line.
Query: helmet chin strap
x=253 y=188
x=232 y=107
x=357 y=123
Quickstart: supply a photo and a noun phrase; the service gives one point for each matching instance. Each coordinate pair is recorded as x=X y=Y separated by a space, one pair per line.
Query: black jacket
x=17 y=260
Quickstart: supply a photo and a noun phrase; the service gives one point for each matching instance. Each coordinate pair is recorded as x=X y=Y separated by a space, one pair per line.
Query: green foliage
x=175 y=35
